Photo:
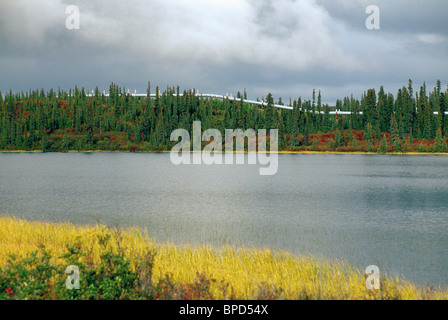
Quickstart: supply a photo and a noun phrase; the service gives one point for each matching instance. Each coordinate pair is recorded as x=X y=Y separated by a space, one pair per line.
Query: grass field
x=126 y=264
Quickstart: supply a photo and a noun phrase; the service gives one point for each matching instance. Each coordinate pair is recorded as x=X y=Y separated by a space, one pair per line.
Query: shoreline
x=235 y=152
x=243 y=269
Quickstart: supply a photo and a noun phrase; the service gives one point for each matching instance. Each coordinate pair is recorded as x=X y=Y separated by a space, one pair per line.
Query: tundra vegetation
x=128 y=264
x=76 y=121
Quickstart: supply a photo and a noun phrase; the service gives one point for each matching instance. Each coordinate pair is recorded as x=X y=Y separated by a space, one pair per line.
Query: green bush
x=28 y=278
x=37 y=276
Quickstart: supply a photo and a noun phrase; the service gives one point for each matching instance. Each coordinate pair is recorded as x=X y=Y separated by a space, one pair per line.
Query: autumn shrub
x=126 y=264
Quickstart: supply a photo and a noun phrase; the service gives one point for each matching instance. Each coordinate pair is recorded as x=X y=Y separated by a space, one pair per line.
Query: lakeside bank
x=278 y=152
x=174 y=271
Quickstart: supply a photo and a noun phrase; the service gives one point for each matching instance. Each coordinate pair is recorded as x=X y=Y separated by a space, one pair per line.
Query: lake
x=386 y=210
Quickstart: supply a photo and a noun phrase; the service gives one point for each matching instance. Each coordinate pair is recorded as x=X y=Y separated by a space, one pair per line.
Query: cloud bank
x=285 y=47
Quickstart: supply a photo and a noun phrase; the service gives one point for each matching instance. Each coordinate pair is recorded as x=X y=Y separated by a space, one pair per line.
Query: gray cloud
x=411 y=16
x=285 y=47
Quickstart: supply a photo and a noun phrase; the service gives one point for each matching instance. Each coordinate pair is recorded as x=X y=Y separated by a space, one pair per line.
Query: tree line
x=75 y=120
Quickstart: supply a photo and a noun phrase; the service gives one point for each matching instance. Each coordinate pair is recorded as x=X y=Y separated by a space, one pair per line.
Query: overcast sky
x=284 y=47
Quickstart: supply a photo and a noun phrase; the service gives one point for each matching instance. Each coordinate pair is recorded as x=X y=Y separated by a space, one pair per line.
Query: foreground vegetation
x=125 y=264
x=74 y=120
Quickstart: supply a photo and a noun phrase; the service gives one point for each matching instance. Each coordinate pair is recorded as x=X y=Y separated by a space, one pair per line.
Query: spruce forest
x=76 y=121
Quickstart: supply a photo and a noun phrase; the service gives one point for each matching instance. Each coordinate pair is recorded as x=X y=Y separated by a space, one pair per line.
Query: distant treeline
x=73 y=120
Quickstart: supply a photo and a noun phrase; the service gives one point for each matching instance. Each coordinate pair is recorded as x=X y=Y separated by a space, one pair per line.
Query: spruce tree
x=269 y=112
x=368 y=132
x=383 y=148
x=319 y=118
x=427 y=130
x=45 y=143
x=89 y=140
x=383 y=113
x=326 y=127
x=65 y=145
x=442 y=110
x=370 y=108
x=394 y=134
x=440 y=142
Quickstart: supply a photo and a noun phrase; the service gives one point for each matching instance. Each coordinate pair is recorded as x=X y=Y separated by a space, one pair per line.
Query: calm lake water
x=386 y=210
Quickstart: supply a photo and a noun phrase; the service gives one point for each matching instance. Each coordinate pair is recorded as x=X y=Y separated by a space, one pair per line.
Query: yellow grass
x=246 y=270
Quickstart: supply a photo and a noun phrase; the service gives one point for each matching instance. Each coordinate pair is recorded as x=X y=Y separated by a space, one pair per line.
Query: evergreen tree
x=159 y=132
x=383 y=145
x=326 y=127
x=370 y=110
x=422 y=112
x=295 y=139
x=45 y=143
x=305 y=141
x=319 y=118
x=394 y=135
x=355 y=109
x=427 y=133
x=383 y=112
x=440 y=142
x=339 y=140
x=89 y=140
x=269 y=112
x=368 y=132
x=443 y=109
x=65 y=143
